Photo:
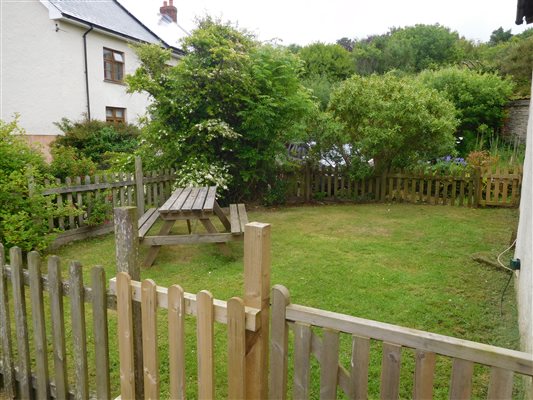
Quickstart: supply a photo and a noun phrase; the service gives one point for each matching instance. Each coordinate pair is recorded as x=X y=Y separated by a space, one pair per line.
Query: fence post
x=127 y=259
x=139 y=185
x=477 y=188
x=257 y=295
x=307 y=183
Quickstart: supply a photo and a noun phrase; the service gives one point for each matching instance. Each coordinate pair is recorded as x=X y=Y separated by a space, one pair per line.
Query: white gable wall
x=43 y=76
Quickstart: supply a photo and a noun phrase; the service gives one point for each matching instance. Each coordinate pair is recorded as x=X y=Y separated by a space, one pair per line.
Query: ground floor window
x=115 y=115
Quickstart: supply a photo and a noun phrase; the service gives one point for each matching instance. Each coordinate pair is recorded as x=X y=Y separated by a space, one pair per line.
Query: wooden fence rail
x=482 y=187
x=304 y=321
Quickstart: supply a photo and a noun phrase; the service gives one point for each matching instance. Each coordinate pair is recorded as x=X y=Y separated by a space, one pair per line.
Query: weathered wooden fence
x=317 y=333
x=99 y=194
x=36 y=362
x=28 y=369
x=483 y=187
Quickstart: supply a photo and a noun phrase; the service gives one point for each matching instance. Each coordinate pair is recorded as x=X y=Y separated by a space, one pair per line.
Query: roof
x=110 y=16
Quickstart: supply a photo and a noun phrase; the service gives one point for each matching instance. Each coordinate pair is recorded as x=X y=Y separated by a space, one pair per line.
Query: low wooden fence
x=100 y=194
x=28 y=369
x=51 y=357
x=483 y=187
x=317 y=333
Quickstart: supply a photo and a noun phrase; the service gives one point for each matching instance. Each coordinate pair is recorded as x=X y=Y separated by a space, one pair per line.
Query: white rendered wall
x=42 y=76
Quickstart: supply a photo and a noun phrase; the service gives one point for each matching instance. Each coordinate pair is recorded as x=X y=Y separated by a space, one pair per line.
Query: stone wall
x=516 y=121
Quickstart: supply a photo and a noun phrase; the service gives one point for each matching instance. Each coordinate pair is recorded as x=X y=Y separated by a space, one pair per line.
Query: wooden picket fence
x=141 y=189
x=28 y=369
x=37 y=365
x=306 y=323
x=482 y=187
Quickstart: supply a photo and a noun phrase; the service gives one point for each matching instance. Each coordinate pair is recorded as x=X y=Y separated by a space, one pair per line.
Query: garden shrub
x=97 y=140
x=66 y=162
x=391 y=121
x=479 y=99
x=23 y=217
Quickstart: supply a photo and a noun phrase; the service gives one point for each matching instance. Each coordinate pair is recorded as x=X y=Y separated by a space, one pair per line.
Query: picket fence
x=32 y=367
x=498 y=187
x=141 y=189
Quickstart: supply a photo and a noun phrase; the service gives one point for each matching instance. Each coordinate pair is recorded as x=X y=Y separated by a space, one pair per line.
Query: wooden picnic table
x=192 y=204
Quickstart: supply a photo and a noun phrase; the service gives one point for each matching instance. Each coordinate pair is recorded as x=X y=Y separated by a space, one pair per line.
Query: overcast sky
x=304 y=22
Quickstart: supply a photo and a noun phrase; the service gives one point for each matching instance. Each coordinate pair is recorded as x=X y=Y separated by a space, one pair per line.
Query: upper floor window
x=113 y=65
x=115 y=115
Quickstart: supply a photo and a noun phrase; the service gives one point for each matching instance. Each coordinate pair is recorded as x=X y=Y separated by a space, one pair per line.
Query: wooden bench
x=147 y=220
x=238 y=218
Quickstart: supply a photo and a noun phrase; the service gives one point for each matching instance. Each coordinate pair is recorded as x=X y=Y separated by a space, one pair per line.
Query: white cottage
x=68 y=58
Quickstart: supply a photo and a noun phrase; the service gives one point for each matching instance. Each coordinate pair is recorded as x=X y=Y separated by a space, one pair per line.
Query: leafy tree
x=499 y=36
x=418 y=47
x=225 y=111
x=478 y=98
x=393 y=121
x=329 y=60
x=517 y=63
x=96 y=140
x=347 y=43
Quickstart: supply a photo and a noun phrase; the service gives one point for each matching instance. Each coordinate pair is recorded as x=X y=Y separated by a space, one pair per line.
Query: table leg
x=220 y=214
x=154 y=250
x=206 y=222
x=189 y=226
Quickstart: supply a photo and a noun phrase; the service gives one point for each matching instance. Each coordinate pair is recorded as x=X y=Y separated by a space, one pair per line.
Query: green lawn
x=402 y=264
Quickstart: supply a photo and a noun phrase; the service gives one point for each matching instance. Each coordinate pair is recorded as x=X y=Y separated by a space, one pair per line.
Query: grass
x=402 y=264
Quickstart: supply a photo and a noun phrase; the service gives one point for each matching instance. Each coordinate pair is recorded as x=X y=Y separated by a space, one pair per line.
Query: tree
x=500 y=36
x=225 y=111
x=329 y=60
x=517 y=63
x=393 y=121
x=479 y=99
x=418 y=47
x=347 y=43
x=410 y=49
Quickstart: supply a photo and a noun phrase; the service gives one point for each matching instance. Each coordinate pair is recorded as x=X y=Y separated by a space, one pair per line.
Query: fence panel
x=87 y=206
x=485 y=187
x=207 y=310
x=307 y=322
x=44 y=375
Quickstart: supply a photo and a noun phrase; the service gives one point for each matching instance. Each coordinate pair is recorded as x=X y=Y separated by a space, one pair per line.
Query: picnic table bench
x=192 y=204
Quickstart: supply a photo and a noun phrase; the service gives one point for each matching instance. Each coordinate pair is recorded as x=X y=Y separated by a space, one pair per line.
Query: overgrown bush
x=391 y=122
x=229 y=107
x=23 y=217
x=479 y=99
x=66 y=162
x=97 y=140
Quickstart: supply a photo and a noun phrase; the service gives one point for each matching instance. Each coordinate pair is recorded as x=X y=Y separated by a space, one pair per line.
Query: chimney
x=170 y=10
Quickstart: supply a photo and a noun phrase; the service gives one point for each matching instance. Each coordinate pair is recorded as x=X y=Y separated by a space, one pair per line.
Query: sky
x=303 y=22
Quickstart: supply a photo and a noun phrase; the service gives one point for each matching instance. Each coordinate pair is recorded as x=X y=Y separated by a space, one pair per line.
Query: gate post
x=257 y=295
x=127 y=259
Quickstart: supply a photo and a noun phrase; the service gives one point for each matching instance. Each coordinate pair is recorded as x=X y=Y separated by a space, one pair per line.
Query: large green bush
x=97 y=140
x=479 y=99
x=225 y=111
x=393 y=121
x=23 y=217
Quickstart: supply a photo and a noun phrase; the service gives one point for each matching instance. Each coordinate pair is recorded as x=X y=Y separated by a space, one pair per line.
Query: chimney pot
x=169 y=10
